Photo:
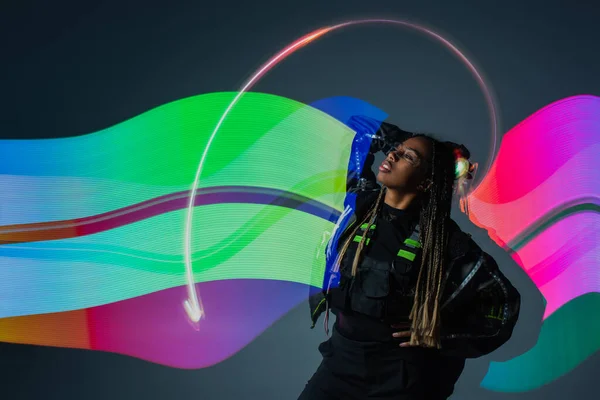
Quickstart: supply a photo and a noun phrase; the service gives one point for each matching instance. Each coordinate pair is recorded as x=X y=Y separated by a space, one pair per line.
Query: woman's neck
x=401 y=201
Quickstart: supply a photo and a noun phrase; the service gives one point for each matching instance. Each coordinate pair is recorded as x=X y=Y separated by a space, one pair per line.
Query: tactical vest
x=380 y=289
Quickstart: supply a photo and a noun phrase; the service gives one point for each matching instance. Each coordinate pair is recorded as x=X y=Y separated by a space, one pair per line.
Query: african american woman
x=415 y=296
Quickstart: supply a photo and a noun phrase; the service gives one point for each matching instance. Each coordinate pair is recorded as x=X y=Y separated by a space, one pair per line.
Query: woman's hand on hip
x=403 y=333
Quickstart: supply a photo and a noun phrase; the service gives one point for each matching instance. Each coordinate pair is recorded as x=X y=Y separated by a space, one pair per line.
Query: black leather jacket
x=480 y=307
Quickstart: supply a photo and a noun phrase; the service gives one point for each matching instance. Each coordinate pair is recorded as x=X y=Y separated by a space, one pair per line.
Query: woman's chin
x=382 y=178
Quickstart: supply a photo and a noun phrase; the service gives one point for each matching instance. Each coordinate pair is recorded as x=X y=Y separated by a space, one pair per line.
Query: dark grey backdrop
x=70 y=68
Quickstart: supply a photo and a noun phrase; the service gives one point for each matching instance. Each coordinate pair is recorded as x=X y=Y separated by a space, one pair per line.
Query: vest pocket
x=375 y=282
x=371 y=289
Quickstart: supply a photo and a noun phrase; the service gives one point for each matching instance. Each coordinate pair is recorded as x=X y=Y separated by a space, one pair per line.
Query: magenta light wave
x=193 y=304
x=548 y=138
x=563 y=261
x=580 y=278
x=578 y=174
x=565 y=233
x=549 y=159
x=547 y=176
x=541 y=201
x=167 y=337
x=566 y=255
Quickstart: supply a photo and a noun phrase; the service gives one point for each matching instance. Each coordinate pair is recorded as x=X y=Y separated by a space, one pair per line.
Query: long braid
x=434 y=221
x=370 y=216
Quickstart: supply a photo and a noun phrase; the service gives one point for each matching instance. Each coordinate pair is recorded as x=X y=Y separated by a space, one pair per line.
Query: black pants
x=353 y=370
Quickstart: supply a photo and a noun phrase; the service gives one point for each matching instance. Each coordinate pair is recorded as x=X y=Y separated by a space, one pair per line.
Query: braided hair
x=370 y=216
x=434 y=222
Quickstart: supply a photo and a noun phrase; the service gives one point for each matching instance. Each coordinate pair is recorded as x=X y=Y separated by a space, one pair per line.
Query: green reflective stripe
x=318 y=307
x=364 y=226
x=359 y=238
x=316 y=312
x=413 y=243
x=407 y=254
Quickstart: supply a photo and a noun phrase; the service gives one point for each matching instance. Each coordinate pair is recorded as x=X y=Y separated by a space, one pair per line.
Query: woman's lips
x=385 y=167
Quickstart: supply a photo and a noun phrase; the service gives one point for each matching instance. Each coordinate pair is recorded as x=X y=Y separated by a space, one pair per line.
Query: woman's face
x=405 y=167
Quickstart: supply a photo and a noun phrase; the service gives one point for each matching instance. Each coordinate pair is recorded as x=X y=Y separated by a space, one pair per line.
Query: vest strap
x=411 y=246
x=357 y=239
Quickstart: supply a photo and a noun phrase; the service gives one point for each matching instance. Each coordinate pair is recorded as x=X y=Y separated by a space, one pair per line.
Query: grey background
x=71 y=68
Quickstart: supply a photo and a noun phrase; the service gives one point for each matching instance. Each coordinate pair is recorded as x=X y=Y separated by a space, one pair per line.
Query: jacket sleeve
x=483 y=315
x=318 y=305
x=372 y=136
